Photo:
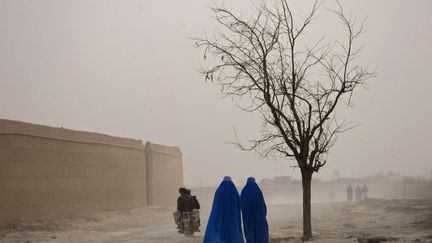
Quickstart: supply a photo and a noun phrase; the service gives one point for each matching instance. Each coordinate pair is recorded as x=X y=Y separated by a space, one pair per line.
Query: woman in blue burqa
x=224 y=225
x=254 y=211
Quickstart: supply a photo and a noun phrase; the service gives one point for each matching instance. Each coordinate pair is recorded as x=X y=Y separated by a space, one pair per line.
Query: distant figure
x=365 y=191
x=332 y=196
x=349 y=193
x=195 y=211
x=254 y=212
x=224 y=225
x=185 y=203
x=358 y=193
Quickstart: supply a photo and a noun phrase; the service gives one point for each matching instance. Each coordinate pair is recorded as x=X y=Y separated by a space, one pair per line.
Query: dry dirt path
x=390 y=220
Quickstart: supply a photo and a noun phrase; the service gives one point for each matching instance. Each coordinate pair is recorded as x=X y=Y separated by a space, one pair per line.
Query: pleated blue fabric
x=254 y=212
x=224 y=225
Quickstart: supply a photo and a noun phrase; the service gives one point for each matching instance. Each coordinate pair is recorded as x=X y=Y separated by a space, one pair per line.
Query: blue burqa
x=224 y=225
x=254 y=213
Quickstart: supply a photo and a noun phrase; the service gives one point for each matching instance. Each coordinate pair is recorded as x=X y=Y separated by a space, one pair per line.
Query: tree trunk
x=307 y=224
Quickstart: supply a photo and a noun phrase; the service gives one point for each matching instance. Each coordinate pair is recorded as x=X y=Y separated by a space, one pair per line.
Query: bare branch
x=259 y=63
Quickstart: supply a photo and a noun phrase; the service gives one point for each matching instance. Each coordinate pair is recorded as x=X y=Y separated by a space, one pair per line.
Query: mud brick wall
x=48 y=173
x=164 y=174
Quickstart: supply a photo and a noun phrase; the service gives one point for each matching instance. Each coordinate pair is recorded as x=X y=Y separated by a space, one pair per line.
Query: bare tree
x=295 y=87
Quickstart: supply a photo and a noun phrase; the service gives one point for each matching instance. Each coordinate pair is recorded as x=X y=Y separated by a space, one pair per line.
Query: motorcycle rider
x=185 y=203
x=196 y=211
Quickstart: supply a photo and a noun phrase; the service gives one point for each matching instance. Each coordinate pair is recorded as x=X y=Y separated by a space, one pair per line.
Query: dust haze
x=129 y=68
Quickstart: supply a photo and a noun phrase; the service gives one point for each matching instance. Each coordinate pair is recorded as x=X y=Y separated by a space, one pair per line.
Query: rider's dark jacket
x=196 y=203
x=185 y=203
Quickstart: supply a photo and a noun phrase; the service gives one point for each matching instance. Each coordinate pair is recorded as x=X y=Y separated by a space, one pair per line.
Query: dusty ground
x=385 y=220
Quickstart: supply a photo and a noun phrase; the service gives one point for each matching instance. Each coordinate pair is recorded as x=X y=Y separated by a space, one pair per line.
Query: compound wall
x=163 y=179
x=49 y=173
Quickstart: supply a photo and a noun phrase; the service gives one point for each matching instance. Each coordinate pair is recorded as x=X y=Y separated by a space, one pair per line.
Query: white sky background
x=127 y=68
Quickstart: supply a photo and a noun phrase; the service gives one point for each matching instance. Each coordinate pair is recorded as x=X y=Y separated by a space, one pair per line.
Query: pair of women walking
x=224 y=225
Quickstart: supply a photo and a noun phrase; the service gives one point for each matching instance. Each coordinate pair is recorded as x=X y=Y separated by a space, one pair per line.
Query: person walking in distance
x=358 y=193
x=349 y=193
x=365 y=191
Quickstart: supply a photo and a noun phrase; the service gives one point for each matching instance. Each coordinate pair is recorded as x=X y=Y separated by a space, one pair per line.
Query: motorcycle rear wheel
x=189 y=233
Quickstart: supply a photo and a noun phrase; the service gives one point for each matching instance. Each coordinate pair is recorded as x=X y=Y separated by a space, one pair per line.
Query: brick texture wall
x=48 y=173
x=164 y=174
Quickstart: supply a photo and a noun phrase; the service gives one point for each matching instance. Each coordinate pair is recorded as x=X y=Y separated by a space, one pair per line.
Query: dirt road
x=390 y=220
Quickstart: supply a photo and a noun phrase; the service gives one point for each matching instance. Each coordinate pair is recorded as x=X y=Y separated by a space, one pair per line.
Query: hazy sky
x=127 y=68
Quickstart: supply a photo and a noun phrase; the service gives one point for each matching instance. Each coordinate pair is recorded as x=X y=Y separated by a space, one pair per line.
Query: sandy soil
x=379 y=220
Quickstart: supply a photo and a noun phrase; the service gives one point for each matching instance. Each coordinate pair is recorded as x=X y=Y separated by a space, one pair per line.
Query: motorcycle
x=188 y=226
